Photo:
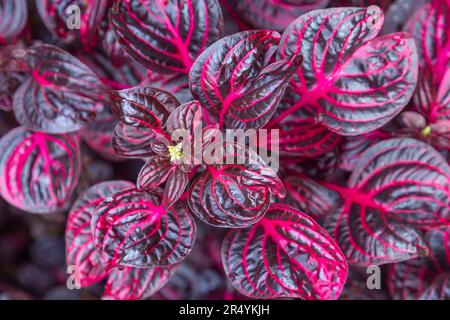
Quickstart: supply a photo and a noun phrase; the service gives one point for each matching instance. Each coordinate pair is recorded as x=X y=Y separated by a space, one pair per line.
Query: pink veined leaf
x=398 y=185
x=98 y=135
x=13 y=19
x=80 y=250
x=236 y=79
x=408 y=280
x=143 y=112
x=237 y=194
x=143 y=107
x=155 y=172
x=353 y=147
x=13 y=69
x=286 y=254
x=301 y=135
x=415 y=278
x=429 y=28
x=166 y=35
x=439 y=242
x=135 y=283
x=439 y=289
x=125 y=76
x=133 y=142
x=132 y=228
x=353 y=81
x=433 y=98
x=174 y=167
x=62 y=95
x=38 y=172
x=383 y=4
x=310 y=196
x=273 y=14
x=56 y=15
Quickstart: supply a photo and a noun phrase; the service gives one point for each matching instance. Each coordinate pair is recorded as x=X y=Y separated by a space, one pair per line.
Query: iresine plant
x=360 y=123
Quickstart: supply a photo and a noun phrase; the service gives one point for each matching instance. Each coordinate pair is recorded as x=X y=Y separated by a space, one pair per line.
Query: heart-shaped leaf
x=38 y=172
x=274 y=14
x=13 y=19
x=286 y=254
x=135 y=283
x=231 y=194
x=355 y=82
x=166 y=35
x=62 y=95
x=132 y=228
x=61 y=17
x=80 y=251
x=397 y=186
x=236 y=79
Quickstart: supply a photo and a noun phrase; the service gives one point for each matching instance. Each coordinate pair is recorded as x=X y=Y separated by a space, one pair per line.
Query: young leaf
x=286 y=254
x=132 y=228
x=397 y=186
x=234 y=195
x=166 y=35
x=236 y=79
x=353 y=81
x=80 y=251
x=62 y=95
x=38 y=172
x=135 y=283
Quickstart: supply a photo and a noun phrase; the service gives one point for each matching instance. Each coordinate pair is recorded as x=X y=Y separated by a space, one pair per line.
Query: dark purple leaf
x=439 y=242
x=143 y=107
x=166 y=35
x=310 y=196
x=135 y=283
x=143 y=112
x=13 y=69
x=439 y=289
x=234 y=195
x=286 y=254
x=236 y=79
x=274 y=14
x=353 y=81
x=62 y=95
x=13 y=19
x=301 y=135
x=56 y=15
x=38 y=172
x=80 y=251
x=397 y=186
x=132 y=228
x=98 y=135
x=408 y=280
x=399 y=13
x=429 y=28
